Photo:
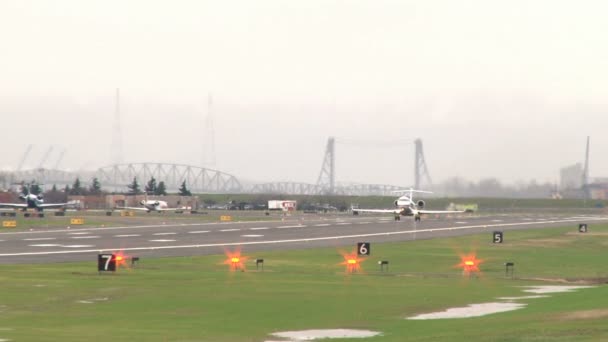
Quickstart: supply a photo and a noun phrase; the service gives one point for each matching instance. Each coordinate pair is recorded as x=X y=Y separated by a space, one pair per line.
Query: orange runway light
x=120 y=258
x=235 y=260
x=469 y=264
x=352 y=262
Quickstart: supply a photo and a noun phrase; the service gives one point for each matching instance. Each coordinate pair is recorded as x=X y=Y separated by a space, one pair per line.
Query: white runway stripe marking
x=77 y=246
x=127 y=235
x=199 y=232
x=343 y=224
x=39 y=239
x=287 y=227
x=230 y=230
x=252 y=235
x=162 y=240
x=258 y=228
x=85 y=237
x=322 y=225
x=79 y=233
x=45 y=245
x=164 y=233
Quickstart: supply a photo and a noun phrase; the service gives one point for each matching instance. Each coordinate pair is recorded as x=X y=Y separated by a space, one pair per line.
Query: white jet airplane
x=32 y=201
x=152 y=205
x=407 y=206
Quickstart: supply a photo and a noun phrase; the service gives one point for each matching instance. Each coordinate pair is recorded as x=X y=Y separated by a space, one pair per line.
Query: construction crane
x=45 y=157
x=59 y=159
x=27 y=152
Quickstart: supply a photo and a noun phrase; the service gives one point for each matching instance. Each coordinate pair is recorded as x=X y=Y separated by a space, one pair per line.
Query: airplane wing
x=441 y=211
x=13 y=205
x=385 y=211
x=52 y=205
x=134 y=208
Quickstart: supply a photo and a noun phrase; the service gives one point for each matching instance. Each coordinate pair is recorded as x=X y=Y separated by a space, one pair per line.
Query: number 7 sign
x=106 y=263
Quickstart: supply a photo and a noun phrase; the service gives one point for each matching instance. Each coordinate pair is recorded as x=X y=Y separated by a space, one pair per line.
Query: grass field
x=198 y=299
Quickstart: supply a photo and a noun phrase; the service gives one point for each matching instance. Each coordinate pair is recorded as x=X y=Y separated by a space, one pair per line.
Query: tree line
x=152 y=187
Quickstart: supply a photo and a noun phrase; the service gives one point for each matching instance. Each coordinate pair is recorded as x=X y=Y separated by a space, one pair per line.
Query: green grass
x=198 y=299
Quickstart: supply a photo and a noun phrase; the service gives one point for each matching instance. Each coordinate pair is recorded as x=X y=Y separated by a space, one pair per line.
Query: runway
x=297 y=232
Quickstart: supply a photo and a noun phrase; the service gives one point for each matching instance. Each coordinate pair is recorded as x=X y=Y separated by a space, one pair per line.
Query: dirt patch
x=588 y=233
x=544 y=242
x=584 y=314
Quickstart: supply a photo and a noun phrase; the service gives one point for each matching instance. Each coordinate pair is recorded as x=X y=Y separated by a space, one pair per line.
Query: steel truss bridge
x=292 y=188
x=198 y=179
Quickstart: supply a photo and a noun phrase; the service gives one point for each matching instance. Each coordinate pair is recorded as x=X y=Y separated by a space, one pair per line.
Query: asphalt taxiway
x=296 y=232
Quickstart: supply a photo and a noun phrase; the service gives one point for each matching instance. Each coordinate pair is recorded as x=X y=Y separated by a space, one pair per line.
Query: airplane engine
x=396 y=204
x=156 y=203
x=40 y=197
x=142 y=202
x=420 y=204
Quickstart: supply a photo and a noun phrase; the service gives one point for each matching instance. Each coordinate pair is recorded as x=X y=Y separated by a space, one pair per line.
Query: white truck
x=285 y=205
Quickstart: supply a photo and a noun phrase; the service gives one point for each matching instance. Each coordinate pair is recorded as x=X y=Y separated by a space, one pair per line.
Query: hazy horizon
x=505 y=90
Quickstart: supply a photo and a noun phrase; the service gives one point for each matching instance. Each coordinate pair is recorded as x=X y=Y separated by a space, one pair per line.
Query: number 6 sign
x=364 y=248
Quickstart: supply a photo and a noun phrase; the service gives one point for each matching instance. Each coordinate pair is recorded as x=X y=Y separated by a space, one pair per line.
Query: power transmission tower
x=420 y=168
x=327 y=176
x=116 y=149
x=586 y=193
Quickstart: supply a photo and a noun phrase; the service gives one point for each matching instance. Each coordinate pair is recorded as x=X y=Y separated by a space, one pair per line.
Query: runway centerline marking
x=164 y=233
x=160 y=240
x=127 y=235
x=270 y=242
x=85 y=237
x=199 y=232
x=252 y=235
x=287 y=227
x=39 y=239
x=259 y=228
x=322 y=225
x=230 y=230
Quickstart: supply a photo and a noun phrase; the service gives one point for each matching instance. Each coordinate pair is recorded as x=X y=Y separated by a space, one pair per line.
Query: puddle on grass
x=91 y=301
x=318 y=334
x=522 y=297
x=553 y=288
x=472 y=310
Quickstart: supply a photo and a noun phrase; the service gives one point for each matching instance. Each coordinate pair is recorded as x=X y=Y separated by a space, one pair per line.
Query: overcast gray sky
x=508 y=89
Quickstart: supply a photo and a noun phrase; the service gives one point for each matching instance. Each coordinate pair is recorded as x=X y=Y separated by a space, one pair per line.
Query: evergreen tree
x=77 y=188
x=161 y=189
x=67 y=189
x=151 y=186
x=183 y=190
x=134 y=187
x=54 y=188
x=95 y=187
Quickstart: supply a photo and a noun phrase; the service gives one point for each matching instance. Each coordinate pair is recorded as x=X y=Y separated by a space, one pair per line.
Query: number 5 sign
x=364 y=248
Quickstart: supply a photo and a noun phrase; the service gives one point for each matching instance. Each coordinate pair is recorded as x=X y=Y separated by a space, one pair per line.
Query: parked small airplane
x=32 y=201
x=152 y=205
x=407 y=206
